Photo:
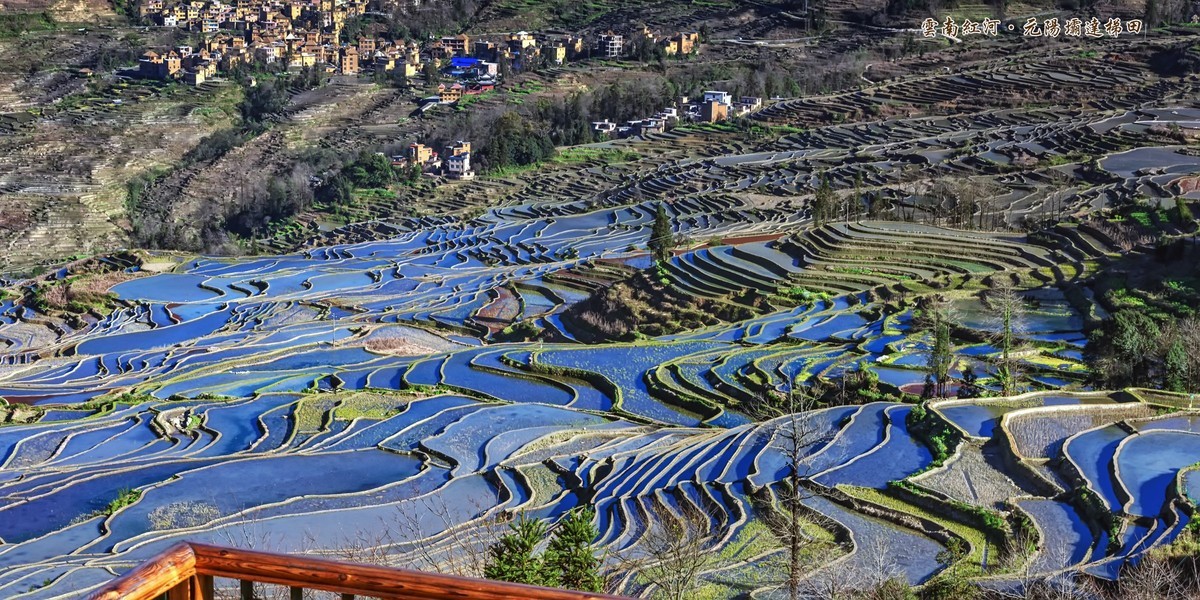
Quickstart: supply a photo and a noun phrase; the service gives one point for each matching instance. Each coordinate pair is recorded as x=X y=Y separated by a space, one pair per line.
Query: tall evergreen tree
x=512 y=558
x=570 y=555
x=661 y=238
x=824 y=204
x=940 y=359
x=933 y=315
x=1175 y=367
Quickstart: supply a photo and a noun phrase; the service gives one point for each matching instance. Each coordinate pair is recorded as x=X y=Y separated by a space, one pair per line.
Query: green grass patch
x=310 y=414
x=1142 y=217
x=14 y=24
x=528 y=87
x=801 y=295
x=467 y=100
x=869 y=271
x=1126 y=298
x=368 y=406
x=580 y=154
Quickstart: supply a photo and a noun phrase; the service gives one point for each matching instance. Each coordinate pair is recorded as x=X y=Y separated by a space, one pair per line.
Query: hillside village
x=315 y=35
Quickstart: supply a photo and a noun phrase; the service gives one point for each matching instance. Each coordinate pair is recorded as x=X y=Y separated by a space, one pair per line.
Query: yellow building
x=348 y=62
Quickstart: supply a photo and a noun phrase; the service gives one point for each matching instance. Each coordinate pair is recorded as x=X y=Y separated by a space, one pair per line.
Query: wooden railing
x=186 y=571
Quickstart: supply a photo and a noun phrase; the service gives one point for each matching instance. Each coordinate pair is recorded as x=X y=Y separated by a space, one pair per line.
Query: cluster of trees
x=423 y=20
x=13 y=24
x=1007 y=311
x=644 y=49
x=567 y=119
x=124 y=53
x=214 y=146
x=514 y=142
x=641 y=305
x=257 y=207
x=966 y=204
x=264 y=101
x=500 y=138
x=284 y=196
x=764 y=75
x=375 y=170
x=568 y=561
x=369 y=170
x=1131 y=348
x=251 y=205
x=827 y=205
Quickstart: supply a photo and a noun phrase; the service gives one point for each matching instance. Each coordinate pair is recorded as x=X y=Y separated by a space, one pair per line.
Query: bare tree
x=675 y=550
x=1008 y=313
x=1154 y=577
x=435 y=538
x=1062 y=586
x=877 y=577
x=426 y=533
x=795 y=437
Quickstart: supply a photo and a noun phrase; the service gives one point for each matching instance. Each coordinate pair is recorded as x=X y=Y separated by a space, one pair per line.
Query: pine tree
x=661 y=237
x=512 y=558
x=1185 y=213
x=856 y=207
x=934 y=316
x=940 y=358
x=1175 y=365
x=1152 y=16
x=570 y=556
x=823 y=206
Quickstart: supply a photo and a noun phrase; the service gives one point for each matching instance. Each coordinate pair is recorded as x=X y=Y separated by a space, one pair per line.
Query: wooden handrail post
x=205 y=588
x=181 y=591
x=154 y=578
x=297 y=593
x=247 y=589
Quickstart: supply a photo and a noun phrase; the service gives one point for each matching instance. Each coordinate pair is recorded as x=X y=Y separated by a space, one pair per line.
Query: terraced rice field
x=352 y=390
x=322 y=392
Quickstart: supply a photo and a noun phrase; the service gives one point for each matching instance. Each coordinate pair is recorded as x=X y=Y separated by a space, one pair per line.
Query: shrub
x=519 y=332
x=214 y=146
x=15 y=23
x=936 y=434
x=125 y=497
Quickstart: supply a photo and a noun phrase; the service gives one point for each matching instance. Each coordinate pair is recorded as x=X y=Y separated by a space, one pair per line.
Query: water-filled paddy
x=1149 y=463
x=364 y=337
